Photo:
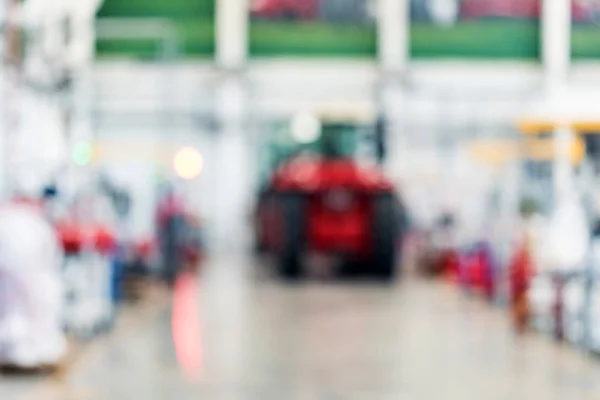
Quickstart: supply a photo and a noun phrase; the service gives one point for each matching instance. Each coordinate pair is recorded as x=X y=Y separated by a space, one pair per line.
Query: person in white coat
x=31 y=293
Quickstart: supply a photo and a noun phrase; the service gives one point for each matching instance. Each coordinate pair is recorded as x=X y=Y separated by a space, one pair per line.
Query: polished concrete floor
x=241 y=334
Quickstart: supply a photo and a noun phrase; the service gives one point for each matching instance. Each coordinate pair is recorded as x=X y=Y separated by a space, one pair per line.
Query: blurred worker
x=31 y=289
x=179 y=235
x=521 y=272
x=522 y=264
x=170 y=216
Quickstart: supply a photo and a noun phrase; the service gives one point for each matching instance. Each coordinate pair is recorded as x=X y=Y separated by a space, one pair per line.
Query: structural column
x=231 y=31
x=556 y=59
x=232 y=188
x=393 y=35
x=393 y=22
x=556 y=42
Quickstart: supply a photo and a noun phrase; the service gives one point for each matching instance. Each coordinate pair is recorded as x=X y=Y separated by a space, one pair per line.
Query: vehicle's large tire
x=260 y=246
x=384 y=234
x=293 y=208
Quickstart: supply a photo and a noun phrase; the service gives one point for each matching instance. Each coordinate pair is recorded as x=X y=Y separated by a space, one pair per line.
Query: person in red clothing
x=521 y=272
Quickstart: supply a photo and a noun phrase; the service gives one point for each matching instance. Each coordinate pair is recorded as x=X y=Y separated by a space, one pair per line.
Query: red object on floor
x=186 y=326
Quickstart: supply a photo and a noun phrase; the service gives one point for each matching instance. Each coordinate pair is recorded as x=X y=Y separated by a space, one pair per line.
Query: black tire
x=293 y=207
x=264 y=201
x=385 y=233
x=258 y=245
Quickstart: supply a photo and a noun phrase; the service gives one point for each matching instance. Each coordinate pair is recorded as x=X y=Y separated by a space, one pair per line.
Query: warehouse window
x=585 y=38
x=192 y=20
x=322 y=28
x=484 y=29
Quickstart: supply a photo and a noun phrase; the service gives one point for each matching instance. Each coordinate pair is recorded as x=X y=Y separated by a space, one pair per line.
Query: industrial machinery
x=321 y=199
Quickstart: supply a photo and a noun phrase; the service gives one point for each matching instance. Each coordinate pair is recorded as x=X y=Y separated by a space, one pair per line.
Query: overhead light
x=188 y=163
x=305 y=127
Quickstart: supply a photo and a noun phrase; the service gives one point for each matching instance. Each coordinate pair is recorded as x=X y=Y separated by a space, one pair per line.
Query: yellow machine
x=537 y=142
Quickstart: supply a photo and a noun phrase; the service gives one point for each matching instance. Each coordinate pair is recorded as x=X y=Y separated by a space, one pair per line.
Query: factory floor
x=236 y=332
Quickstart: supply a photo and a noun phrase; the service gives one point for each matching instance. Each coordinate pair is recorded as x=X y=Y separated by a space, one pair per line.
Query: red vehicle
x=329 y=204
x=289 y=9
x=516 y=9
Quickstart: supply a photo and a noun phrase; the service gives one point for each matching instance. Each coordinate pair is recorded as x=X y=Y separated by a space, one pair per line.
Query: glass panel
x=493 y=29
x=193 y=21
x=326 y=28
x=335 y=140
x=585 y=39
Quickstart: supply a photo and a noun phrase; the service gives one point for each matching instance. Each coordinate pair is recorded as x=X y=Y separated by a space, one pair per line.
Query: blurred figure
x=179 y=235
x=31 y=289
x=440 y=255
x=170 y=224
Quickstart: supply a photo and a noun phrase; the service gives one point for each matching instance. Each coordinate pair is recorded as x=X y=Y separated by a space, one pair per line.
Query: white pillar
x=563 y=166
x=556 y=41
x=232 y=18
x=80 y=56
x=393 y=34
x=556 y=59
x=232 y=190
x=11 y=93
